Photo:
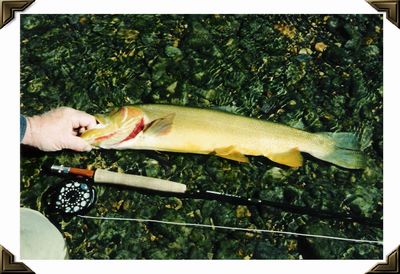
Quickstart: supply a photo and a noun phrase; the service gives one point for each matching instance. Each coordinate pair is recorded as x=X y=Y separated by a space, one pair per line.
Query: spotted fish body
x=194 y=130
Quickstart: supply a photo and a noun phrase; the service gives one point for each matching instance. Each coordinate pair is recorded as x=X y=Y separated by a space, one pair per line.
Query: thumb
x=77 y=144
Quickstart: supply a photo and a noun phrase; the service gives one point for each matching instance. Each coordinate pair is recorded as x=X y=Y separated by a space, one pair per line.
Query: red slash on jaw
x=138 y=128
x=105 y=137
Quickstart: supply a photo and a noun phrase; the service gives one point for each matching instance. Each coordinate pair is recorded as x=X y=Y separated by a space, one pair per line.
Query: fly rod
x=75 y=196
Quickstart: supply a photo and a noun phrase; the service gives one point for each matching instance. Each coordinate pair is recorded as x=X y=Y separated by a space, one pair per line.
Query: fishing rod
x=75 y=197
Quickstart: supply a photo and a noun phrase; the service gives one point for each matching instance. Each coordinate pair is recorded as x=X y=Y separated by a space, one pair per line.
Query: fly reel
x=70 y=197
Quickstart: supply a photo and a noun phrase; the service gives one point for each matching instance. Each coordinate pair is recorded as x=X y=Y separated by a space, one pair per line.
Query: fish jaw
x=117 y=127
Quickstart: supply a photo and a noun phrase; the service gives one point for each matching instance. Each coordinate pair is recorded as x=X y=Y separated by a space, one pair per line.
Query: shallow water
x=318 y=73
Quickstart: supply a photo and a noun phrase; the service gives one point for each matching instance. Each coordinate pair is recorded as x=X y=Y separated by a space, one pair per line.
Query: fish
x=206 y=131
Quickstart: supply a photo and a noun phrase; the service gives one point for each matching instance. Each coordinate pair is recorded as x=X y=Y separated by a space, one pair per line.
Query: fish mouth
x=119 y=136
x=108 y=136
x=119 y=126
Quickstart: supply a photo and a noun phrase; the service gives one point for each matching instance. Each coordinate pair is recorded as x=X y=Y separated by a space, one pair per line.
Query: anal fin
x=290 y=158
x=231 y=153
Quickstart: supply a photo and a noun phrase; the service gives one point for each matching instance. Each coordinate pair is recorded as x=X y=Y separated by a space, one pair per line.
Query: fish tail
x=345 y=150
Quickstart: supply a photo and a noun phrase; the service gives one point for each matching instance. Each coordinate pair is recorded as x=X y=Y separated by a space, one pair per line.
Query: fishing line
x=252 y=230
x=76 y=197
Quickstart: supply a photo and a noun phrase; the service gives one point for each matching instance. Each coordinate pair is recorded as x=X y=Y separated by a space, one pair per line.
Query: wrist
x=32 y=127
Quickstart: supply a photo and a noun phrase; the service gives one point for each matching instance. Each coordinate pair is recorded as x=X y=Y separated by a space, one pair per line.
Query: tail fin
x=346 y=152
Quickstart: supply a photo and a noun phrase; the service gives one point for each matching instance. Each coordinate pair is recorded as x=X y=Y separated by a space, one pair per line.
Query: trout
x=203 y=131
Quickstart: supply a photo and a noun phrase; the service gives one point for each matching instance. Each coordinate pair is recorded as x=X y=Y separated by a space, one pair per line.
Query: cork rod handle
x=109 y=177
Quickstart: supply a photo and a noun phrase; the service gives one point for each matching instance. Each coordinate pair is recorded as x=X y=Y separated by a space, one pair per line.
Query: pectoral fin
x=231 y=153
x=290 y=158
x=160 y=126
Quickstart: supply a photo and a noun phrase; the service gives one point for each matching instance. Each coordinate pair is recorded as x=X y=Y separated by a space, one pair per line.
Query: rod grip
x=110 y=177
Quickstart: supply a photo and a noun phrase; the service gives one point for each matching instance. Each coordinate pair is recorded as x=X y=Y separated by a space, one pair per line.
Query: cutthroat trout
x=194 y=130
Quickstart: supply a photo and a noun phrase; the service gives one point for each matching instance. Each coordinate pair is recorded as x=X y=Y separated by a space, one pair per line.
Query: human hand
x=58 y=129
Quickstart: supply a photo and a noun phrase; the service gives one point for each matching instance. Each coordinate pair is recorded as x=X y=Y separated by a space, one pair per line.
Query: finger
x=81 y=130
x=77 y=144
x=83 y=119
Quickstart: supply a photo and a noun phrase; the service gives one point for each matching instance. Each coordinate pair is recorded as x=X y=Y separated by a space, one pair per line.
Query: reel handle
x=109 y=177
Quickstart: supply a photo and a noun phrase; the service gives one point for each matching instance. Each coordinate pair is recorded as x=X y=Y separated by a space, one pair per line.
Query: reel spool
x=70 y=197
